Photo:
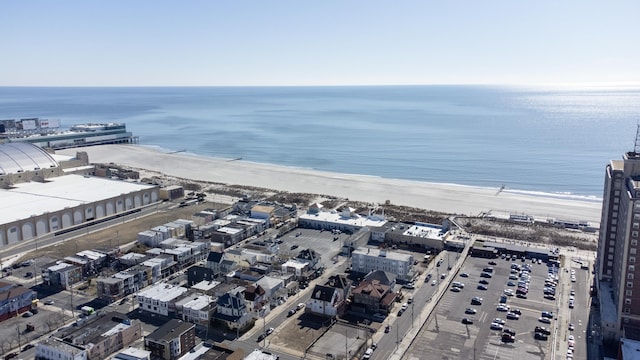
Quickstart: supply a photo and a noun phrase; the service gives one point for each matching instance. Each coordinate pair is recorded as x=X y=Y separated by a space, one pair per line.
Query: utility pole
x=19 y=341
x=346 y=344
x=412 y=314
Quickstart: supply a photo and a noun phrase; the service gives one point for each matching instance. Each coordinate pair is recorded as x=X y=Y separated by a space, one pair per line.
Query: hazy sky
x=155 y=42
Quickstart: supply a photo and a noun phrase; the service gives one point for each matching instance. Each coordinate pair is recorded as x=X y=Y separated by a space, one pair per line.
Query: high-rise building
x=618 y=261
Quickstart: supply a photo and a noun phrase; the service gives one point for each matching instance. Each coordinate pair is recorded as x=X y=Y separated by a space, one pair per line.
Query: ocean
x=546 y=141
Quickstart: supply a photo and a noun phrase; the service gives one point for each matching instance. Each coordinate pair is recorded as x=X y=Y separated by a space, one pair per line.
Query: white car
x=571 y=338
x=368 y=353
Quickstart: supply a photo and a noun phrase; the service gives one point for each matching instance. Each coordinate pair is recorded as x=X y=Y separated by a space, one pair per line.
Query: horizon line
x=550 y=84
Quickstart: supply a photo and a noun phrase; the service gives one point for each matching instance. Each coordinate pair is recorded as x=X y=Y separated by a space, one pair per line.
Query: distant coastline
x=446 y=198
x=552 y=141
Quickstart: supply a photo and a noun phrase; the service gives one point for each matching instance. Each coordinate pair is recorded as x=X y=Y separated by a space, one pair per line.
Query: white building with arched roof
x=41 y=195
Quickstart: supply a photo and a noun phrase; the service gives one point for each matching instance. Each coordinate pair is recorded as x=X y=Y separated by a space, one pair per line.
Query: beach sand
x=448 y=198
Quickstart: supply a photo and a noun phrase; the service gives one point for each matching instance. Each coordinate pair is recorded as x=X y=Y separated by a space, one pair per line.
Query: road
x=51 y=238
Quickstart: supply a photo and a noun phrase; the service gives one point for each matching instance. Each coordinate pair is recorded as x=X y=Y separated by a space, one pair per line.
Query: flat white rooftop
x=198 y=303
x=34 y=198
x=337 y=218
x=374 y=252
x=422 y=231
x=163 y=292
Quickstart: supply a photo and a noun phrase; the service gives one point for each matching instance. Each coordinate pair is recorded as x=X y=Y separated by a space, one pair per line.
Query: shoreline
x=441 y=197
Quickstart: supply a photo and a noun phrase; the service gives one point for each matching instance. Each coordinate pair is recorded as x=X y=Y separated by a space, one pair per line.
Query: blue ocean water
x=533 y=140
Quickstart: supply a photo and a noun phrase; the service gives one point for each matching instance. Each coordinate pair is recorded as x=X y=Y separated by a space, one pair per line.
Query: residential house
x=103 y=335
x=232 y=311
x=160 y=299
x=172 y=340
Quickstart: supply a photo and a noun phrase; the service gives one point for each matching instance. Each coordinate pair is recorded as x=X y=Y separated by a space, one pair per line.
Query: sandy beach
x=447 y=198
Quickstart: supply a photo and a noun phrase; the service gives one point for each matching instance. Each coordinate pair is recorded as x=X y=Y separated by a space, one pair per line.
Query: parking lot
x=445 y=336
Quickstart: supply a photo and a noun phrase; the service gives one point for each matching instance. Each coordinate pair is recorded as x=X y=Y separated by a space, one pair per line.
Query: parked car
x=476 y=301
x=484 y=282
x=547 y=314
x=464 y=275
x=470 y=311
x=48 y=302
x=499 y=321
x=544 y=320
x=496 y=326
x=467 y=321
x=508 y=338
x=540 y=336
x=387 y=329
x=455 y=289
x=509 y=331
x=368 y=353
x=291 y=312
x=512 y=316
x=482 y=287
x=542 y=330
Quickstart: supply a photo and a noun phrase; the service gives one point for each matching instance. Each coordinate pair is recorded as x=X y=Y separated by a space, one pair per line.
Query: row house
x=197 y=274
x=132 y=258
x=14 y=300
x=161 y=298
x=150 y=238
x=196 y=308
x=54 y=348
x=204 y=217
x=172 y=340
x=206 y=287
x=124 y=283
x=61 y=274
x=103 y=335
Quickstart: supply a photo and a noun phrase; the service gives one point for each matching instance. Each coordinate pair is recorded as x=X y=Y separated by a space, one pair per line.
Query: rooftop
x=34 y=198
x=375 y=252
x=163 y=292
x=170 y=330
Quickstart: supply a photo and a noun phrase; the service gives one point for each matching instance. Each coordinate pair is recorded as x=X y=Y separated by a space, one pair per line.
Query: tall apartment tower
x=618 y=260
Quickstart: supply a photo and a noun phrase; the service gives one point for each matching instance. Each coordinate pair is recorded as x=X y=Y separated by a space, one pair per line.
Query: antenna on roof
x=636 y=147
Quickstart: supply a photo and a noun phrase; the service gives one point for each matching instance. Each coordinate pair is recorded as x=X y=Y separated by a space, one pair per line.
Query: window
x=632 y=251
x=629 y=276
x=631 y=268
x=634 y=242
x=609 y=263
x=626 y=311
x=615 y=207
x=629 y=284
x=636 y=225
x=611 y=249
x=634 y=233
x=629 y=292
x=610 y=256
x=632 y=259
x=627 y=301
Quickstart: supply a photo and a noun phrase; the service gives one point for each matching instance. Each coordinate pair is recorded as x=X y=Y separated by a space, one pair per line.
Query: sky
x=328 y=42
